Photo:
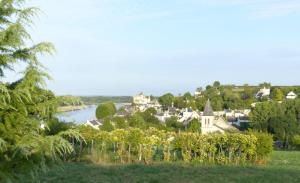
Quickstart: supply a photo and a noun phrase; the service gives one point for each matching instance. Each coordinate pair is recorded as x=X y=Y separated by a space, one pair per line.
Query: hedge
x=136 y=145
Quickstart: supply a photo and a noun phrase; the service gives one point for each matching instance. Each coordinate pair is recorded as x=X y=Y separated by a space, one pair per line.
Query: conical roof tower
x=208 y=111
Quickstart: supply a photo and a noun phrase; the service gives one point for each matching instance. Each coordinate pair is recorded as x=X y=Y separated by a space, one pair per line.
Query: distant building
x=143 y=102
x=264 y=92
x=94 y=124
x=212 y=124
x=141 y=99
x=291 y=95
x=187 y=115
x=163 y=116
x=238 y=120
x=198 y=93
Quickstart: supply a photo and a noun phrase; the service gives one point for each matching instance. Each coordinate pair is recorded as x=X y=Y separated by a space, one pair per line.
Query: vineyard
x=135 y=145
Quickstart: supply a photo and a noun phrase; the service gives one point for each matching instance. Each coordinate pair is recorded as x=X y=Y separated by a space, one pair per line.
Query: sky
x=122 y=47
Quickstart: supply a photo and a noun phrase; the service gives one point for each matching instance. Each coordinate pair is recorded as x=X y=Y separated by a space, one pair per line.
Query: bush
x=136 y=145
x=105 y=110
x=296 y=141
x=264 y=146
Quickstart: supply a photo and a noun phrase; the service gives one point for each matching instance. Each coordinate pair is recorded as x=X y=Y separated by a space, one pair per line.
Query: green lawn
x=284 y=167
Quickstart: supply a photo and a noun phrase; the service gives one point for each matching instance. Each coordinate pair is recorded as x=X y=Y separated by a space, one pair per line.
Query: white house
x=198 y=93
x=187 y=115
x=94 y=124
x=163 y=116
x=155 y=104
x=291 y=95
x=212 y=124
x=264 y=92
x=141 y=99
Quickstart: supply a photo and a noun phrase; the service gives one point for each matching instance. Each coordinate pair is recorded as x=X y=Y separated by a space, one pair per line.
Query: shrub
x=264 y=144
x=105 y=110
x=296 y=141
x=136 y=145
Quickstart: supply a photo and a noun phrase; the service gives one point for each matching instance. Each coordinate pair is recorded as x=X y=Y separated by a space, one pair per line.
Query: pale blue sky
x=121 y=47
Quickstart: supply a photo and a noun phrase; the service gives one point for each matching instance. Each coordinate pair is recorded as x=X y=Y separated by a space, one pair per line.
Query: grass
x=282 y=167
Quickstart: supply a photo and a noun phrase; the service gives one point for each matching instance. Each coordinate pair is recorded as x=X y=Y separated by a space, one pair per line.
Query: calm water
x=81 y=116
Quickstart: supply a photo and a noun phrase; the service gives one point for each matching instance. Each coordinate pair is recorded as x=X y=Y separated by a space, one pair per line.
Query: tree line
x=225 y=96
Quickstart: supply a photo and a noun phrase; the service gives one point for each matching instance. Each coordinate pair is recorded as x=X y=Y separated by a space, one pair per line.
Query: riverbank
x=71 y=108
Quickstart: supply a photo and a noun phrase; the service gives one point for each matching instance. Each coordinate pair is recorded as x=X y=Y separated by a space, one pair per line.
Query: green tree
x=120 y=122
x=54 y=126
x=173 y=124
x=277 y=94
x=149 y=116
x=107 y=126
x=217 y=84
x=26 y=104
x=105 y=110
x=166 y=100
x=260 y=116
x=200 y=103
x=188 y=96
x=194 y=126
x=180 y=103
x=136 y=120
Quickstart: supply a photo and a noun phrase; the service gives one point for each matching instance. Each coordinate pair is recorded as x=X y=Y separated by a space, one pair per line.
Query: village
x=211 y=121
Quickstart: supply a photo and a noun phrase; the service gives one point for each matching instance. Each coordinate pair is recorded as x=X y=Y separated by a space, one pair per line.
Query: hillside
x=89 y=100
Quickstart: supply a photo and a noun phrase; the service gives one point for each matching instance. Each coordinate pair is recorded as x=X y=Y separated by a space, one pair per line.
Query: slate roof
x=208 y=111
x=95 y=122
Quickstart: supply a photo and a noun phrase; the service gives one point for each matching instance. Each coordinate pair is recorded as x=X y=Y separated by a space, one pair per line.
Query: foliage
x=26 y=104
x=166 y=100
x=296 y=141
x=90 y=100
x=69 y=101
x=107 y=125
x=120 y=122
x=264 y=144
x=283 y=166
x=280 y=119
x=136 y=145
x=277 y=94
x=173 y=124
x=149 y=116
x=106 y=109
x=137 y=121
x=54 y=126
x=194 y=126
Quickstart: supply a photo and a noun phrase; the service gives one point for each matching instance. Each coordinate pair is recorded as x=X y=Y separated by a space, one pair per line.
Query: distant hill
x=89 y=100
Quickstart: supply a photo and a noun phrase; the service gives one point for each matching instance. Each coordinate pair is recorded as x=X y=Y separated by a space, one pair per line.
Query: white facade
x=207 y=124
x=163 y=116
x=198 y=94
x=264 y=92
x=211 y=123
x=291 y=95
x=186 y=115
x=141 y=99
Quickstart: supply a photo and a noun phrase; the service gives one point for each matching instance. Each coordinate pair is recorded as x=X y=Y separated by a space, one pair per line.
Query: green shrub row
x=136 y=145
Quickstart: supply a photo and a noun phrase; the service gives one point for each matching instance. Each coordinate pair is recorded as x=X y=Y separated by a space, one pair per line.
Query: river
x=81 y=116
